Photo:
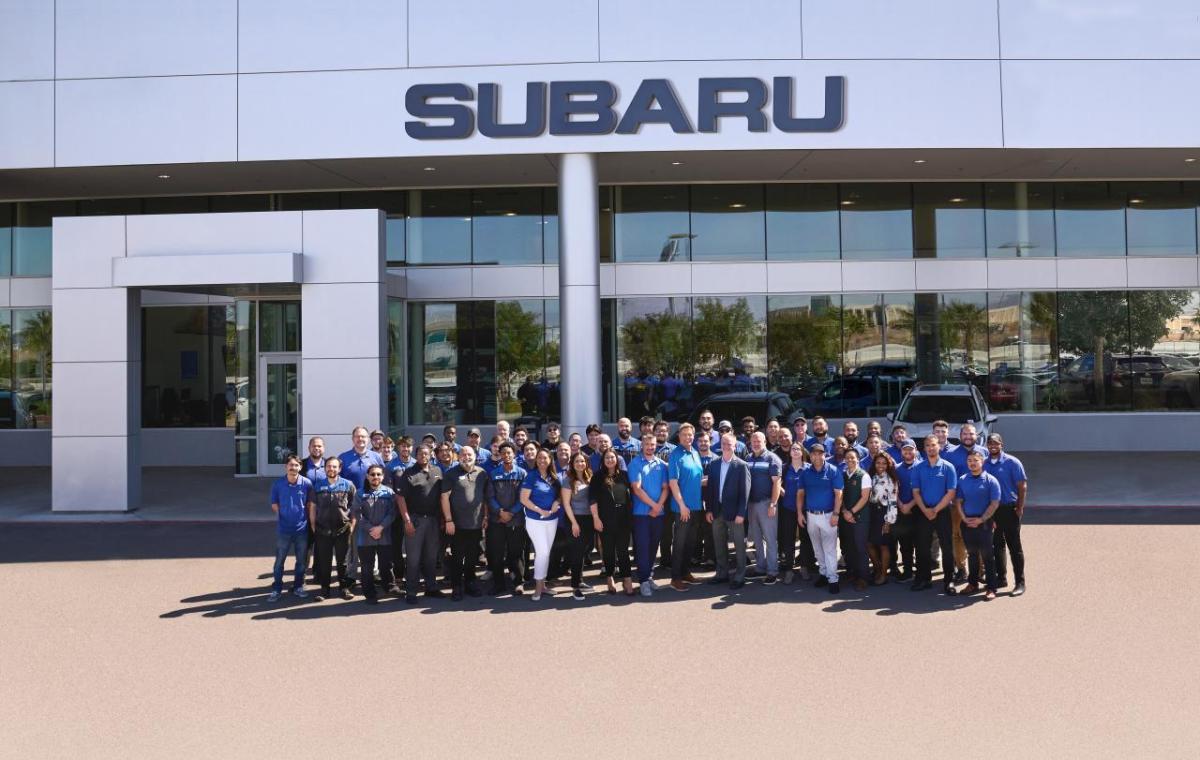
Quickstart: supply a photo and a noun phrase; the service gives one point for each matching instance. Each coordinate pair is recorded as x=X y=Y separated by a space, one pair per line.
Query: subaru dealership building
x=229 y=225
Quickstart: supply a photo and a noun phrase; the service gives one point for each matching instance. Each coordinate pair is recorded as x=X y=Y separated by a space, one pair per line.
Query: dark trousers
x=558 y=550
x=506 y=551
x=787 y=543
x=331 y=550
x=647 y=535
x=979 y=543
x=464 y=553
x=926 y=530
x=617 y=528
x=366 y=567
x=1008 y=537
x=684 y=543
x=398 y=549
x=853 y=538
x=665 y=542
x=903 y=543
x=579 y=546
x=422 y=548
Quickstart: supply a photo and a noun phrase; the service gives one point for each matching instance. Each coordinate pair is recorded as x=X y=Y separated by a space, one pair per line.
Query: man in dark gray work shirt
x=464 y=487
x=419 y=498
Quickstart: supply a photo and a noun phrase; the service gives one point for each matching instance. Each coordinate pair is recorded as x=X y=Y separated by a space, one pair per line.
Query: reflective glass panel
x=876 y=221
x=655 y=354
x=1093 y=350
x=728 y=223
x=283 y=410
x=522 y=388
x=804 y=336
x=184 y=377
x=1161 y=372
x=1023 y=351
x=507 y=225
x=439 y=226
x=1160 y=219
x=1089 y=220
x=652 y=223
x=6 y=222
x=948 y=220
x=802 y=222
x=279 y=325
x=31 y=236
x=394 y=204
x=12 y=410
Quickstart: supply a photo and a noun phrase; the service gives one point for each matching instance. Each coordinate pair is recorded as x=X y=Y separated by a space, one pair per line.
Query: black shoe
x=770 y=580
x=1019 y=589
x=1001 y=581
x=950 y=590
x=754 y=573
x=497 y=589
x=718 y=580
x=735 y=585
x=821 y=581
x=905 y=576
x=371 y=600
x=920 y=586
x=347 y=594
x=960 y=576
x=474 y=590
x=456 y=595
x=835 y=587
x=435 y=593
x=410 y=598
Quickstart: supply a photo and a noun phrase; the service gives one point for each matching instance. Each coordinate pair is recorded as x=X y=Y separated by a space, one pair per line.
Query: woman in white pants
x=540 y=497
x=819 y=502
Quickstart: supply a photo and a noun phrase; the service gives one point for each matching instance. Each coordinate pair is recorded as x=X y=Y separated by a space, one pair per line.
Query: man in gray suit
x=727 y=497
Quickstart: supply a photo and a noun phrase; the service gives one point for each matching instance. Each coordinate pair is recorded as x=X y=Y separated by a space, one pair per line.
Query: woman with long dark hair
x=885 y=498
x=611 y=505
x=540 y=496
x=576 y=491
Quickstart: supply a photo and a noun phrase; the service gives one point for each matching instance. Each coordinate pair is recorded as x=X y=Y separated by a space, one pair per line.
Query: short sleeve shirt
x=819 y=486
x=651 y=475
x=684 y=466
x=763 y=468
x=292 y=499
x=934 y=480
x=976 y=492
x=1009 y=472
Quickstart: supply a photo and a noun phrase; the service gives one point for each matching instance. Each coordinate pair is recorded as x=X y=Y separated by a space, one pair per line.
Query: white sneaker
x=653 y=585
x=647 y=589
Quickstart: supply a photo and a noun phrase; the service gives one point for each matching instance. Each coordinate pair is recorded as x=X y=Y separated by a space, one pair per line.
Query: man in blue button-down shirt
x=685 y=474
x=934 y=481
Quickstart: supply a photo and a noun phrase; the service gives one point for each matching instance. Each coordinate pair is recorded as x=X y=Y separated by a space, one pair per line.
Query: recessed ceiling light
x=164 y=176
x=1190 y=160
x=431 y=168
x=737 y=205
x=847 y=203
x=510 y=213
x=918 y=160
x=1136 y=200
x=957 y=200
x=676 y=163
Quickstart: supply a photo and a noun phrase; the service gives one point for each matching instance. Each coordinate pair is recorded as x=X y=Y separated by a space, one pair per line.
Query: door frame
x=264 y=360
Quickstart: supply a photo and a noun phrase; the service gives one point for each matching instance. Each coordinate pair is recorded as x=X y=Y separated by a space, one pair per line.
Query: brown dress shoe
x=689 y=578
x=972 y=588
x=860 y=584
x=679 y=585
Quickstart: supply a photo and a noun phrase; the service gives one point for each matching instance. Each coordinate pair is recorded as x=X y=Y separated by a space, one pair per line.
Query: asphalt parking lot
x=142 y=640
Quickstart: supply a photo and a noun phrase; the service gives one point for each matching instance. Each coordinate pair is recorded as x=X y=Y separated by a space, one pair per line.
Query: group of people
x=396 y=510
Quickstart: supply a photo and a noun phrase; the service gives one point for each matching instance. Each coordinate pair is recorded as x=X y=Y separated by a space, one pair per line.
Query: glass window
x=1162 y=327
x=948 y=220
x=607 y=220
x=393 y=203
x=279 y=325
x=1023 y=352
x=955 y=348
x=804 y=336
x=307 y=201
x=434 y=349
x=439 y=226
x=32 y=364
x=395 y=378
x=184 y=377
x=1089 y=220
x=553 y=357
x=6 y=222
x=12 y=411
x=652 y=223
x=245 y=453
x=241 y=373
x=1019 y=219
x=730 y=339
x=228 y=203
x=876 y=221
x=507 y=226
x=654 y=352
x=802 y=222
x=1093 y=348
x=550 y=224
x=727 y=222
x=881 y=343
x=110 y=207
x=194 y=204
x=1160 y=219
x=522 y=388
x=31 y=255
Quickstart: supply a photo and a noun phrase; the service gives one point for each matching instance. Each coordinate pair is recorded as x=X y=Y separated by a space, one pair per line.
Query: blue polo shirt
x=685 y=466
x=763 y=467
x=792 y=478
x=827 y=442
x=543 y=494
x=897 y=454
x=627 y=449
x=862 y=453
x=651 y=474
x=595 y=463
x=663 y=450
x=904 y=473
x=819 y=486
x=976 y=492
x=354 y=467
x=312 y=470
x=934 y=480
x=292 y=499
x=957 y=456
x=1008 y=471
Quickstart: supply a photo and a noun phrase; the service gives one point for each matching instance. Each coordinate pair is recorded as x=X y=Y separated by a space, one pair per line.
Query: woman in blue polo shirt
x=793 y=471
x=540 y=497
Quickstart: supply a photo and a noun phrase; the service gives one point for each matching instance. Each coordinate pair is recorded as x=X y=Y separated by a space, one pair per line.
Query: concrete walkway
x=212 y=494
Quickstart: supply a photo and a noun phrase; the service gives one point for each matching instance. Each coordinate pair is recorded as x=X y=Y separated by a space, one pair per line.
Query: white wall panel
x=343 y=246
x=356 y=386
x=653 y=279
x=146 y=121
x=102 y=238
x=112 y=481
x=804 y=276
x=635 y=30
x=5 y=284
x=1086 y=274
x=1099 y=29
x=729 y=277
x=480 y=32
x=81 y=413
x=608 y=280
x=439 y=283
x=507 y=282
x=300 y=35
x=29 y=292
x=909 y=29
x=341 y=320
x=1022 y=274
x=26 y=124
x=1178 y=272
x=79 y=313
x=181 y=234
x=26 y=39
x=207 y=269
x=878 y=276
x=951 y=275
x=1100 y=104
x=187 y=447
x=130 y=38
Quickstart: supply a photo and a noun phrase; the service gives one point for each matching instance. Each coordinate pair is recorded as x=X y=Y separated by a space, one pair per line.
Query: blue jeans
x=647 y=532
x=291 y=543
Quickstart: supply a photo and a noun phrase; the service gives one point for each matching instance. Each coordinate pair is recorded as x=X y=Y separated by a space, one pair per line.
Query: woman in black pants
x=576 y=492
x=611 y=509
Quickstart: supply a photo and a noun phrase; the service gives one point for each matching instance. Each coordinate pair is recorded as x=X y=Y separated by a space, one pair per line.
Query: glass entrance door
x=279 y=410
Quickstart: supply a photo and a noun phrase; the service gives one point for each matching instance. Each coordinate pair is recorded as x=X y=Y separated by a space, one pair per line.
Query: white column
x=343 y=314
x=579 y=290
x=95 y=440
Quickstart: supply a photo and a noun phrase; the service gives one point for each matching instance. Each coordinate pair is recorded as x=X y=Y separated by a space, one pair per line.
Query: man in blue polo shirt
x=818 y=504
x=313 y=468
x=766 y=472
x=355 y=463
x=603 y=444
x=903 y=533
x=685 y=473
x=289 y=501
x=957 y=456
x=976 y=500
x=648 y=481
x=1010 y=473
x=820 y=435
x=934 y=481
x=895 y=450
x=625 y=444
